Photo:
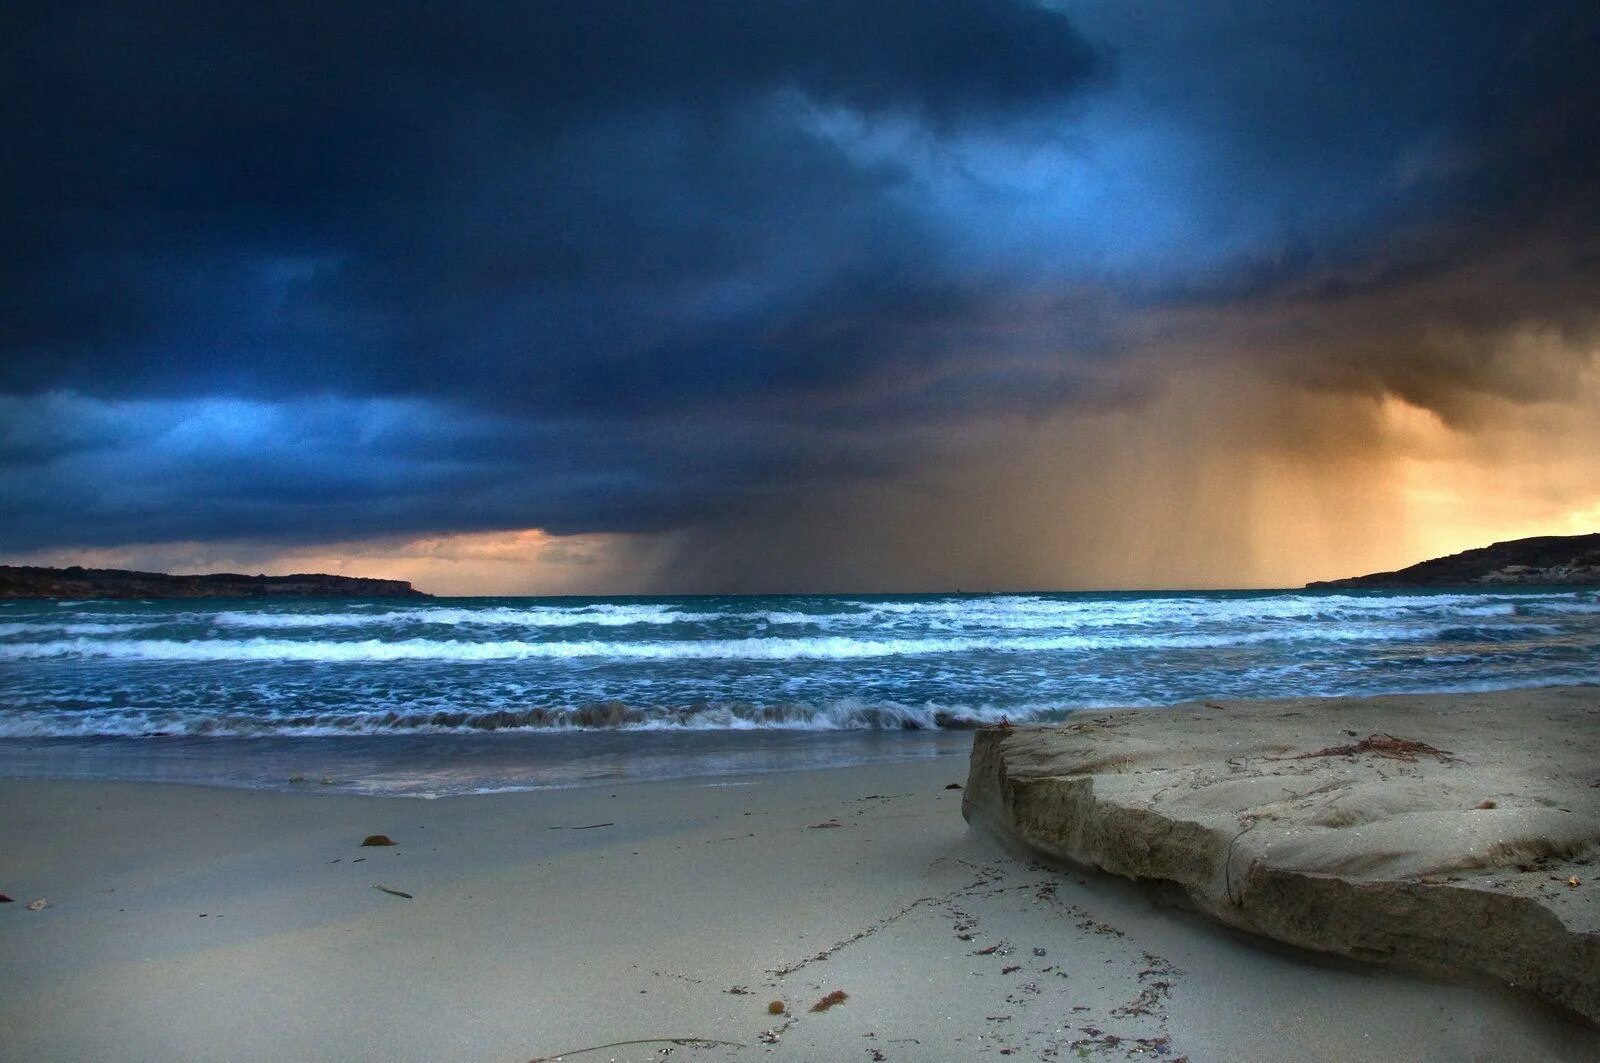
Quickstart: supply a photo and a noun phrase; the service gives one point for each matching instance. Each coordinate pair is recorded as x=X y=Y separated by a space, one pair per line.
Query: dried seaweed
x=838 y=996
x=1383 y=745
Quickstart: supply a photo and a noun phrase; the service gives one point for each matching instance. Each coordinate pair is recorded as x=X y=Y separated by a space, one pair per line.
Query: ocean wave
x=1590 y=608
x=833 y=647
x=68 y=627
x=1493 y=609
x=792 y=662
x=488 y=616
x=843 y=715
x=1495 y=632
x=1033 y=612
x=990 y=616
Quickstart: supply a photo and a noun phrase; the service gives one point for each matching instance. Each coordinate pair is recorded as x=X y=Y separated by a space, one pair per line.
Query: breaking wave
x=833 y=648
x=596 y=615
x=845 y=715
x=797 y=662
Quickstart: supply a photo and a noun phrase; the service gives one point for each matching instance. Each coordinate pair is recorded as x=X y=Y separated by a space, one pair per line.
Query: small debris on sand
x=39 y=905
x=1099 y=927
x=775 y=1008
x=826 y=823
x=1572 y=883
x=838 y=996
x=378 y=839
x=1486 y=804
x=952 y=786
x=687 y=1042
x=395 y=893
x=737 y=990
x=4 y=899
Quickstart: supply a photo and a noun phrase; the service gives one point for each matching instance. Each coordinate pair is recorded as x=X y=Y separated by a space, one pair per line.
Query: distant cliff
x=25 y=581
x=1544 y=559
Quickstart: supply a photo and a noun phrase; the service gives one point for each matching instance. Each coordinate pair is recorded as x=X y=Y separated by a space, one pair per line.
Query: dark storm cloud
x=305 y=471
x=593 y=215
x=1419 y=184
x=351 y=195
x=307 y=271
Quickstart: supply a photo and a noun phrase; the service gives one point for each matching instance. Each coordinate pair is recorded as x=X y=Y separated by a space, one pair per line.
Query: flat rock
x=1460 y=864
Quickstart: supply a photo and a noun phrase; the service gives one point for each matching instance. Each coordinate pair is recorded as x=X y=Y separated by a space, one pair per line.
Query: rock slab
x=1482 y=860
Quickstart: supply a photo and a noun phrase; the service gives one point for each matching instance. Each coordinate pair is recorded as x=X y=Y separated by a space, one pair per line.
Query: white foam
x=1032 y=612
x=69 y=628
x=826 y=647
x=487 y=616
x=849 y=714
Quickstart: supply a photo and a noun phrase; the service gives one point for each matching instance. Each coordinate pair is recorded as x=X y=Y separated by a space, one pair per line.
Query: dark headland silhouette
x=1544 y=560
x=27 y=581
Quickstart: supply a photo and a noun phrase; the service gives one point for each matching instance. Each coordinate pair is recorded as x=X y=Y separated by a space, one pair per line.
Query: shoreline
x=429 y=766
x=437 y=766
x=190 y=922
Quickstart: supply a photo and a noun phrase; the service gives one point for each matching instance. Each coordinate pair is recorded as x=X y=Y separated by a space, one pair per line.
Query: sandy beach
x=195 y=923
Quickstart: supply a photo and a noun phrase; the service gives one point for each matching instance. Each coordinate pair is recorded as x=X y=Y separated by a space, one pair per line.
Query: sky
x=805 y=295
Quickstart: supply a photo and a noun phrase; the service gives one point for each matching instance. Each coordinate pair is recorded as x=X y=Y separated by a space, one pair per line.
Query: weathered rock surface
x=1543 y=560
x=1485 y=862
x=28 y=581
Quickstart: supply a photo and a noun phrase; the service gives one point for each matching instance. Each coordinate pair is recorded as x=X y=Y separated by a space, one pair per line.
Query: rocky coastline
x=1544 y=560
x=75 y=583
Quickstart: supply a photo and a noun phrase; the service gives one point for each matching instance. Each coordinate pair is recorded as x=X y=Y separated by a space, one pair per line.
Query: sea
x=447 y=696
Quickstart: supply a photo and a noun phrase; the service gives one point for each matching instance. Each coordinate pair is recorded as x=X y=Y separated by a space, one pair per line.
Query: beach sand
x=192 y=923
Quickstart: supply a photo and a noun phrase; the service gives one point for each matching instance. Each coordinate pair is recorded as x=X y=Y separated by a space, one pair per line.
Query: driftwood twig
x=641 y=1041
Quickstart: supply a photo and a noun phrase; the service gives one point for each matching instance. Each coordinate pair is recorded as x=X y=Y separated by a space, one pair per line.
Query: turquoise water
x=798 y=663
